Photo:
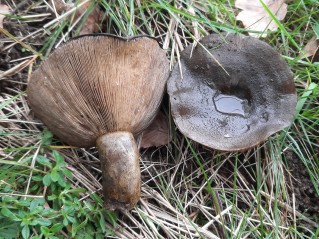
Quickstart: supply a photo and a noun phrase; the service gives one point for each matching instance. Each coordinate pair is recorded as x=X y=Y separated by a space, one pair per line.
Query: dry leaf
x=157 y=134
x=311 y=49
x=255 y=17
x=4 y=9
x=91 y=22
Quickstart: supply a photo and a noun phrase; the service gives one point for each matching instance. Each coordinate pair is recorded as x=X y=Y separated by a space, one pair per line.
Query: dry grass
x=188 y=191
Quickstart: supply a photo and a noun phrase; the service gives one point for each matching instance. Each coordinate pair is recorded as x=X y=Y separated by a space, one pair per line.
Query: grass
x=52 y=190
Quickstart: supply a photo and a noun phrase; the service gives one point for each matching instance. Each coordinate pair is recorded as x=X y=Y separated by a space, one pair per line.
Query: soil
x=307 y=199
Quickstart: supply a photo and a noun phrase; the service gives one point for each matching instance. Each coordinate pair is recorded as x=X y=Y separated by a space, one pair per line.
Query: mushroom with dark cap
x=231 y=92
x=103 y=90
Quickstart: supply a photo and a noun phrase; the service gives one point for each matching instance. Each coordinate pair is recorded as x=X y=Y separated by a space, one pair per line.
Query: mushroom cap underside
x=93 y=85
x=231 y=92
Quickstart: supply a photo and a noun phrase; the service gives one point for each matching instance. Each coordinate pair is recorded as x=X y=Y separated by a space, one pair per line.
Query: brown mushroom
x=102 y=90
x=231 y=92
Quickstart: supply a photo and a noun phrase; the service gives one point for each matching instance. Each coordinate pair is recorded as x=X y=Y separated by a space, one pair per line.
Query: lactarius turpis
x=231 y=92
x=102 y=90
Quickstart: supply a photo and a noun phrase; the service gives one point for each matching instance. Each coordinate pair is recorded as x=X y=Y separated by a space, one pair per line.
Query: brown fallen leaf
x=157 y=134
x=311 y=49
x=91 y=23
x=4 y=9
x=255 y=17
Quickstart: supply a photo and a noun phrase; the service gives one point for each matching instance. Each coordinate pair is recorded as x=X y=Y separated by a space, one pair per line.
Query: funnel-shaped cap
x=231 y=92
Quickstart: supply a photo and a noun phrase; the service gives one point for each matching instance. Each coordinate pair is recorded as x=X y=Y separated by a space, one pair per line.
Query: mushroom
x=102 y=90
x=231 y=92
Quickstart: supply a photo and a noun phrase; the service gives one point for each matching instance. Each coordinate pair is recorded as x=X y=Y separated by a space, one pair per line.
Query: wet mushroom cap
x=231 y=92
x=94 y=85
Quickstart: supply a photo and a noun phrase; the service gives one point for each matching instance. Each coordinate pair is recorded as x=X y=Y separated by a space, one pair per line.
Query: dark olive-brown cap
x=93 y=85
x=231 y=92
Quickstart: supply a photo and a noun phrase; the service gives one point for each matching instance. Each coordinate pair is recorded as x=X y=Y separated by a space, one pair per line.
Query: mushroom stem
x=121 y=173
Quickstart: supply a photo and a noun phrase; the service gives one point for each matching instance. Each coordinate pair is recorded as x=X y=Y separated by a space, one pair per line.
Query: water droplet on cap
x=245 y=129
x=264 y=117
x=232 y=105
